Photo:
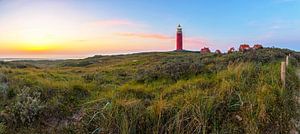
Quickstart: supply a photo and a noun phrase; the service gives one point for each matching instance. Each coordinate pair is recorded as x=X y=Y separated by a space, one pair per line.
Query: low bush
x=26 y=109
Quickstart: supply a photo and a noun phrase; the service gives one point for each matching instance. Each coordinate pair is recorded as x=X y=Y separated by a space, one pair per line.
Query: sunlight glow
x=36 y=40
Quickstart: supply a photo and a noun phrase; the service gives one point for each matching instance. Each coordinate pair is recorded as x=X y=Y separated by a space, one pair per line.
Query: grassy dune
x=169 y=92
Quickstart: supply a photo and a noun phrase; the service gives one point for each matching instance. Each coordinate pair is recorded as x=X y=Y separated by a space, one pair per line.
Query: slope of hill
x=166 y=92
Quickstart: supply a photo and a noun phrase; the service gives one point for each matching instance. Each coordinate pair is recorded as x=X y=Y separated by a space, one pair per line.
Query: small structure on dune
x=218 y=51
x=231 y=50
x=205 y=50
x=244 y=48
x=257 y=46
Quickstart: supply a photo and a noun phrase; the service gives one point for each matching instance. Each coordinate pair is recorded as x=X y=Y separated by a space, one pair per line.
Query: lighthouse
x=179 y=41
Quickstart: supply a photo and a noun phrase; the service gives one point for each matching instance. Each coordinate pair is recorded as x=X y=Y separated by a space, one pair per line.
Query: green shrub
x=3 y=128
x=3 y=85
x=170 y=70
x=25 y=109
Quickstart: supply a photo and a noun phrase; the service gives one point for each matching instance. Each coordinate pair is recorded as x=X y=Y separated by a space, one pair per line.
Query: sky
x=82 y=28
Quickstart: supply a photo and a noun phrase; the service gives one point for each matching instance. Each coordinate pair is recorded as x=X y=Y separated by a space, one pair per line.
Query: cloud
x=146 y=35
x=188 y=40
x=196 y=40
x=81 y=40
x=116 y=22
x=285 y=1
x=275 y=27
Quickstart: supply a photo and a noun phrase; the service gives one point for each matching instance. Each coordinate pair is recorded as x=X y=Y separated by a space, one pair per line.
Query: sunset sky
x=81 y=28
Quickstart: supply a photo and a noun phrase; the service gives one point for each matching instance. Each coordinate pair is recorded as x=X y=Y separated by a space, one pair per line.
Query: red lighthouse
x=179 y=41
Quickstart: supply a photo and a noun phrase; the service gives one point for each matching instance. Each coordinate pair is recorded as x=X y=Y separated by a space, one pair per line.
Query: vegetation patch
x=167 y=92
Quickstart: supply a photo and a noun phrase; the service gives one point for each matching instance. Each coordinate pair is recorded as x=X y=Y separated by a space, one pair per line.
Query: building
x=205 y=50
x=231 y=50
x=257 y=46
x=244 y=48
x=218 y=52
x=179 y=40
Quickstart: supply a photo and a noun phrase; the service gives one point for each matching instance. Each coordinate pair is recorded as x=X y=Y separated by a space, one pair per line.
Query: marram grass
x=171 y=92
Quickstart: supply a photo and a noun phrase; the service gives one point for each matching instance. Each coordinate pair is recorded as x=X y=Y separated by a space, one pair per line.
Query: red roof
x=231 y=50
x=205 y=50
x=244 y=47
x=257 y=46
x=218 y=51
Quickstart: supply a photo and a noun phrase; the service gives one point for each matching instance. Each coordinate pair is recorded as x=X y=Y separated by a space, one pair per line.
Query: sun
x=36 y=47
x=36 y=40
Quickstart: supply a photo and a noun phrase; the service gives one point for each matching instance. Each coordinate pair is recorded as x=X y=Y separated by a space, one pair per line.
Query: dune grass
x=172 y=92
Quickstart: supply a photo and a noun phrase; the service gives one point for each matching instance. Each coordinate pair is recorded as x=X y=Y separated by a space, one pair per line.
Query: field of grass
x=159 y=92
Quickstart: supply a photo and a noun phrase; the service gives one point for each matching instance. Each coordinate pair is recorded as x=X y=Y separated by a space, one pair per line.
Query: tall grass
x=175 y=92
x=244 y=98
